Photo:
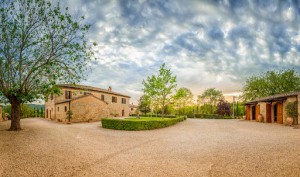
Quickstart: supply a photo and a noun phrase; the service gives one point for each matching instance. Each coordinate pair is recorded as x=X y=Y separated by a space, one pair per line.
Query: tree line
x=161 y=96
x=27 y=110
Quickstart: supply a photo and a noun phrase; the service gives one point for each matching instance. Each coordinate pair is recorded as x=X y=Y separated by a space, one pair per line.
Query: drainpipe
x=233 y=107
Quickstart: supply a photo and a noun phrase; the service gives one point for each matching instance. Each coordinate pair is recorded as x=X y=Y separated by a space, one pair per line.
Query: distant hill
x=39 y=106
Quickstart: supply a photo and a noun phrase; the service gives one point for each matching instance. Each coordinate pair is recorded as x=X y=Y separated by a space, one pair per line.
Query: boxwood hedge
x=205 y=116
x=139 y=124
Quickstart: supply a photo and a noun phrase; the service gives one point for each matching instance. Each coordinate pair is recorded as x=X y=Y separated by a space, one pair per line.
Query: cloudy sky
x=213 y=43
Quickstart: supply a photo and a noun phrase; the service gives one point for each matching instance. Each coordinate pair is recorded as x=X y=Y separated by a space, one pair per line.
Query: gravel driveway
x=190 y=148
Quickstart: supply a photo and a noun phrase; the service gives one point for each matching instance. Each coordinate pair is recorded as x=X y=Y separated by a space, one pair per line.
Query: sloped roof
x=274 y=97
x=133 y=106
x=79 y=97
x=84 y=87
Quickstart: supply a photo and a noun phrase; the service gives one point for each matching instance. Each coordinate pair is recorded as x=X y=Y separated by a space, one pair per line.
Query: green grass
x=144 y=123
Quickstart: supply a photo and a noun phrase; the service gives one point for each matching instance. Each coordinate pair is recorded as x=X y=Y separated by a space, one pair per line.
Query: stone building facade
x=133 y=109
x=271 y=108
x=86 y=104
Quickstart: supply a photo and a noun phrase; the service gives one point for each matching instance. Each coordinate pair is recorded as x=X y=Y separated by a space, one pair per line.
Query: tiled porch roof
x=273 y=98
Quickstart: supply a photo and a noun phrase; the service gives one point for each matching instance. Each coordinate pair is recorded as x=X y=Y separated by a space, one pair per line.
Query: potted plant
x=292 y=113
x=69 y=116
x=260 y=118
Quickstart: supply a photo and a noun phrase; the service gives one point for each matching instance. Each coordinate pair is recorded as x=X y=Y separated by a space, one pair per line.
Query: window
x=68 y=94
x=102 y=97
x=66 y=108
x=123 y=100
x=57 y=109
x=131 y=109
x=86 y=93
x=114 y=99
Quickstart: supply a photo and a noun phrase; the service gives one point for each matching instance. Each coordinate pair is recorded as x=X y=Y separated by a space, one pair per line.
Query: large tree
x=211 y=97
x=40 y=44
x=144 y=104
x=160 y=87
x=271 y=83
x=182 y=98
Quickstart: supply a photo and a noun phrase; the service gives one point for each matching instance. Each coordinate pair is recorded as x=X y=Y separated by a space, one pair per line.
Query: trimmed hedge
x=154 y=115
x=139 y=124
x=206 y=116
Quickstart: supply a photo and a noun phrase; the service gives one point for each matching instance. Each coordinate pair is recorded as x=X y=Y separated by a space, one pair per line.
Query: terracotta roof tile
x=90 y=88
x=273 y=97
x=79 y=97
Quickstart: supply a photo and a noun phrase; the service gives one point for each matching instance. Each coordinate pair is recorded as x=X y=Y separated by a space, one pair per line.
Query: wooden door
x=268 y=113
x=257 y=111
x=123 y=113
x=247 y=112
x=279 y=113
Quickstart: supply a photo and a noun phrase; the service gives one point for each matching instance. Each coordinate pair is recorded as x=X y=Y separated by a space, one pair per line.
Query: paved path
x=190 y=148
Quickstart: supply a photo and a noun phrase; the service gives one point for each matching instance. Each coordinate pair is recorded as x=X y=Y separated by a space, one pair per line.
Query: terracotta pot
x=289 y=121
x=260 y=118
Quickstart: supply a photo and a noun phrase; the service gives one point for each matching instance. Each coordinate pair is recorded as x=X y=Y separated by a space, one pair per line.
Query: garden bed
x=139 y=123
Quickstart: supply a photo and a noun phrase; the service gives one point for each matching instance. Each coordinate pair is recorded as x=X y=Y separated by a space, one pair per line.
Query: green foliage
x=207 y=109
x=292 y=109
x=158 y=88
x=139 y=124
x=40 y=44
x=210 y=97
x=69 y=115
x=144 y=104
x=27 y=110
x=159 y=115
x=223 y=108
x=271 y=83
x=206 y=116
x=182 y=98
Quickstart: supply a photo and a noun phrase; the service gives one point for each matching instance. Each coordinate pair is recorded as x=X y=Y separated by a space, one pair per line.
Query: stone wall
x=50 y=108
x=89 y=109
x=114 y=108
x=93 y=109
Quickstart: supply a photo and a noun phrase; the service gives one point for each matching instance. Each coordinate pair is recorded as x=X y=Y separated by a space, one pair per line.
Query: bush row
x=154 y=115
x=142 y=124
x=206 y=116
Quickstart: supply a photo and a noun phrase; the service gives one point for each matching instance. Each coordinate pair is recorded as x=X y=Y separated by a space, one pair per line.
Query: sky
x=206 y=43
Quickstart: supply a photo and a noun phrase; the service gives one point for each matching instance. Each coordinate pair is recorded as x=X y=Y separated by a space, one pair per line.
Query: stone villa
x=272 y=108
x=85 y=103
x=133 y=109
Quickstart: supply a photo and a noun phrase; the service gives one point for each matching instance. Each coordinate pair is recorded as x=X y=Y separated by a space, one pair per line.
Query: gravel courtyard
x=190 y=148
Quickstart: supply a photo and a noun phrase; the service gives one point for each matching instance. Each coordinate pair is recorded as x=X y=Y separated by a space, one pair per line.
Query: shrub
x=139 y=124
x=292 y=110
x=223 y=108
x=205 y=116
x=159 y=115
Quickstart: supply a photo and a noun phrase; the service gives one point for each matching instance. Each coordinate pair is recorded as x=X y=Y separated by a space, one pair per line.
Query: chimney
x=109 y=89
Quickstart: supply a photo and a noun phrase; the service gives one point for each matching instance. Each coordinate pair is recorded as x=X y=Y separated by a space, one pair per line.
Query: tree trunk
x=15 y=115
